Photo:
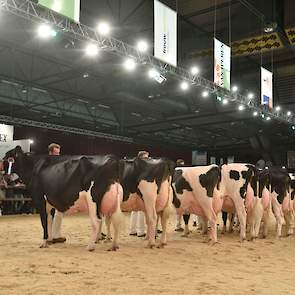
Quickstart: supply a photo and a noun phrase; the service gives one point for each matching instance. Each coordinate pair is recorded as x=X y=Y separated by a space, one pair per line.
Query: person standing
x=137 y=220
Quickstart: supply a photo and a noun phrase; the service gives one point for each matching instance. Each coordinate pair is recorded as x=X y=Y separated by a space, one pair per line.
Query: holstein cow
x=196 y=191
x=281 y=198
x=147 y=187
x=57 y=181
x=258 y=203
x=235 y=186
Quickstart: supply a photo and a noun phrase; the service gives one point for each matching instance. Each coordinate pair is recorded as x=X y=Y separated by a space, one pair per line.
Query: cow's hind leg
x=94 y=223
x=186 y=218
x=116 y=219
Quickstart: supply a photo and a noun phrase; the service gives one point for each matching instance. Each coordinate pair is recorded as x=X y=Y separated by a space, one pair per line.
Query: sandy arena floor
x=185 y=266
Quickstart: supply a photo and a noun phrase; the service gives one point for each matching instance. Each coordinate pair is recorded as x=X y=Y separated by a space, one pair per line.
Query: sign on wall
x=6 y=133
x=222 y=55
x=68 y=8
x=266 y=88
x=199 y=158
x=165 y=33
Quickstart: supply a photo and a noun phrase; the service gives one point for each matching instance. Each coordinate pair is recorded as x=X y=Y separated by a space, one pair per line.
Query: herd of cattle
x=108 y=185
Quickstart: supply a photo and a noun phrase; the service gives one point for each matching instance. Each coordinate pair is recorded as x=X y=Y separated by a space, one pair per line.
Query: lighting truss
x=35 y=13
x=38 y=124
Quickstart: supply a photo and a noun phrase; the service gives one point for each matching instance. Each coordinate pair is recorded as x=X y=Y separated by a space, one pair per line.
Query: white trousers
x=137 y=223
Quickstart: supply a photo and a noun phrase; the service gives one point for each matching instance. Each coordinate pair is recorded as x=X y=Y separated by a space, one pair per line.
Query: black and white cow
x=56 y=182
x=196 y=191
x=281 y=198
x=146 y=187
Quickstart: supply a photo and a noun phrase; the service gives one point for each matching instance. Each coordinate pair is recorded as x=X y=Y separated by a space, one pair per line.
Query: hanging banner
x=68 y=8
x=266 y=88
x=222 y=56
x=165 y=33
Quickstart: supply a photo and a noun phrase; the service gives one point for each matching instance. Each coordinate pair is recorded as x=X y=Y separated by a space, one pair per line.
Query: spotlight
x=142 y=46
x=268 y=118
x=85 y=75
x=235 y=88
x=241 y=107
x=278 y=108
x=218 y=98
x=129 y=64
x=45 y=31
x=195 y=70
x=293 y=127
x=184 y=85
x=289 y=113
x=225 y=101
x=154 y=74
x=250 y=95
x=262 y=116
x=103 y=28
x=205 y=93
x=255 y=113
x=31 y=141
x=91 y=50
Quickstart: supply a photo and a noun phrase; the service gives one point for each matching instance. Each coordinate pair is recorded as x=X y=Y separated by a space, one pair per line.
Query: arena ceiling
x=52 y=81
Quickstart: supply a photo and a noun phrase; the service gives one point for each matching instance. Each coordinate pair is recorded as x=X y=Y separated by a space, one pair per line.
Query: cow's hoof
x=59 y=240
x=161 y=245
x=44 y=244
x=91 y=247
x=213 y=243
x=151 y=246
x=113 y=248
x=101 y=238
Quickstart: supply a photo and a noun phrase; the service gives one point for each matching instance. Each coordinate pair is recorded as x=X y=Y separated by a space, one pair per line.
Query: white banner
x=6 y=133
x=165 y=33
x=9 y=145
x=266 y=88
x=222 y=56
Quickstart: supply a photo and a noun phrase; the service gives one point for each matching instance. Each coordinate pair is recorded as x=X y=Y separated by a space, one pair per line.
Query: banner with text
x=68 y=8
x=266 y=88
x=222 y=56
x=165 y=33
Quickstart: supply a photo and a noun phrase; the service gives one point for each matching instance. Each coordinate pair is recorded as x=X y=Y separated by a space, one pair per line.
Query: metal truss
x=35 y=13
x=38 y=124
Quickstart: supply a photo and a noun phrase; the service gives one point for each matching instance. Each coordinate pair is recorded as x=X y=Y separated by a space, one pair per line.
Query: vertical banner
x=68 y=8
x=165 y=33
x=222 y=56
x=266 y=88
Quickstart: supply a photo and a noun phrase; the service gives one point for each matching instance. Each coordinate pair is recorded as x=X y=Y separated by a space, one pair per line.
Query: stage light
x=45 y=31
x=225 y=101
x=255 y=113
x=268 y=118
x=195 y=70
x=289 y=113
x=91 y=50
x=129 y=64
x=235 y=88
x=205 y=93
x=241 y=107
x=277 y=108
x=293 y=127
x=103 y=28
x=184 y=85
x=250 y=95
x=142 y=46
x=31 y=141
